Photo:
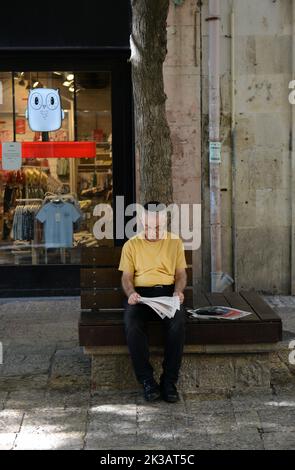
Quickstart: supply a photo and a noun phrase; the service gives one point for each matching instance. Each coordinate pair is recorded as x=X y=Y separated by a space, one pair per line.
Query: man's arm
x=127 y=267
x=127 y=281
x=180 y=283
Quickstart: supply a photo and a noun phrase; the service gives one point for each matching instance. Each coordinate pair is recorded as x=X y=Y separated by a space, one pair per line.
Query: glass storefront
x=46 y=207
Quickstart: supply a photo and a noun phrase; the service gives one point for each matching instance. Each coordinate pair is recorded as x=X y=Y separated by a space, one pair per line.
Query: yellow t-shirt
x=151 y=262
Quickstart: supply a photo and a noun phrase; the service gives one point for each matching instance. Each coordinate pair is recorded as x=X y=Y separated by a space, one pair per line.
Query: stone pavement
x=45 y=401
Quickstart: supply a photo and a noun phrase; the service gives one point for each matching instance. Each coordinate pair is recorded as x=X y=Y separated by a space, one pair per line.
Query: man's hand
x=180 y=295
x=133 y=298
x=180 y=283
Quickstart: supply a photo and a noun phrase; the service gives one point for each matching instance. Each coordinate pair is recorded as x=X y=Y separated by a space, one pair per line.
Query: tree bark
x=148 y=43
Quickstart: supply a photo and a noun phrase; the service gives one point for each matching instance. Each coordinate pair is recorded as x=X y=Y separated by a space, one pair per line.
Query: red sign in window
x=57 y=150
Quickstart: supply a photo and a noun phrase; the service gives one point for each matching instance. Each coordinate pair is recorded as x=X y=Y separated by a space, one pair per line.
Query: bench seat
x=105 y=327
x=101 y=319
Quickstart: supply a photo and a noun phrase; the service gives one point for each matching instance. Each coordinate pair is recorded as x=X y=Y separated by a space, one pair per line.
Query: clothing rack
x=33 y=249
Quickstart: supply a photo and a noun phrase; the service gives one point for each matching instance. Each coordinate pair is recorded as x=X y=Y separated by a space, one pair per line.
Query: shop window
x=46 y=207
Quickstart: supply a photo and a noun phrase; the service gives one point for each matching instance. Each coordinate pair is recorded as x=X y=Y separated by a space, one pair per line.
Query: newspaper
x=219 y=312
x=164 y=306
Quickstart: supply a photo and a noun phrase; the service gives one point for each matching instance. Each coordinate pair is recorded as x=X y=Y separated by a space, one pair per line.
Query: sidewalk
x=45 y=401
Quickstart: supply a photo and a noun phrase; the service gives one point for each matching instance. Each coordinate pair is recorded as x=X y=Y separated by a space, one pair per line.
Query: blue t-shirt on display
x=58 y=219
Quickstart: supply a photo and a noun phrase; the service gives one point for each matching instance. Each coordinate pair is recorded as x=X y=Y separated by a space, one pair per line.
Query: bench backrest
x=101 y=280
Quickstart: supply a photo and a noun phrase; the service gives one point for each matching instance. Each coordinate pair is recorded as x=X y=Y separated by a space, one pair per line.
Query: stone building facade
x=256 y=182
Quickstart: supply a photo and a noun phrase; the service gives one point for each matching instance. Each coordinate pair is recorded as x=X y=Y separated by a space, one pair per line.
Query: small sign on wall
x=215 y=152
x=11 y=156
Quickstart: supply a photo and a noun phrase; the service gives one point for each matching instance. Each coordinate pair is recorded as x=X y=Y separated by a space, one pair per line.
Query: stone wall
x=263 y=44
x=204 y=369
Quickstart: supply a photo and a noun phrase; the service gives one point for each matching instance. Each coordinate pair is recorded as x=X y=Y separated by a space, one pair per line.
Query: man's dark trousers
x=135 y=322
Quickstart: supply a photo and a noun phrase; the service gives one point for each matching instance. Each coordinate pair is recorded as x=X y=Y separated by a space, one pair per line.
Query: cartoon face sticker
x=44 y=111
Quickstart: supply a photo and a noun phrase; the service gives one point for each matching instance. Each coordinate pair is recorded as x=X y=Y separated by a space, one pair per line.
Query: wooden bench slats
x=189 y=257
x=262 y=309
x=216 y=299
x=116 y=315
x=102 y=298
x=107 y=328
x=105 y=335
x=232 y=300
x=232 y=332
x=188 y=297
x=109 y=277
x=235 y=300
x=103 y=256
x=100 y=277
x=110 y=256
x=103 y=317
x=202 y=301
x=113 y=298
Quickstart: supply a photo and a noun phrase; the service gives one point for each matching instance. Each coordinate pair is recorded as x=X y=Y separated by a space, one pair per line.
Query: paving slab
x=46 y=401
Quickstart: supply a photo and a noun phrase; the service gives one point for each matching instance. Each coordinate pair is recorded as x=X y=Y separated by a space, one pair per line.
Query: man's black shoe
x=151 y=390
x=169 y=392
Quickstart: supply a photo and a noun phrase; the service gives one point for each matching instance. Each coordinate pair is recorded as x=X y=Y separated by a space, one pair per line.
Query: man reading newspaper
x=153 y=264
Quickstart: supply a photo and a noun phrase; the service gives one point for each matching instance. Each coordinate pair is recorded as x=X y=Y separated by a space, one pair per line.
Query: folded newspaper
x=165 y=306
x=219 y=312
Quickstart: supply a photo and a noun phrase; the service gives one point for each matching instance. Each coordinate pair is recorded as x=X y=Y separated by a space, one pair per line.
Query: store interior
x=46 y=207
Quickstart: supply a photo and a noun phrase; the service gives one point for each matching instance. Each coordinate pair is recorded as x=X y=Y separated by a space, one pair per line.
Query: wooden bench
x=101 y=326
x=101 y=321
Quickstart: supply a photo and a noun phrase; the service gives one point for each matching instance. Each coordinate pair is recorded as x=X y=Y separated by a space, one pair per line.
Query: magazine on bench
x=220 y=312
x=164 y=306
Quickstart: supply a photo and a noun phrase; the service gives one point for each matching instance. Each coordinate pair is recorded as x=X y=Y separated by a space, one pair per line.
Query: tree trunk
x=148 y=43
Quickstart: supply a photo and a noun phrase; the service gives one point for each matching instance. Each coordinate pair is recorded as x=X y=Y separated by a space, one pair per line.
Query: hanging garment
x=58 y=218
x=24 y=222
x=63 y=167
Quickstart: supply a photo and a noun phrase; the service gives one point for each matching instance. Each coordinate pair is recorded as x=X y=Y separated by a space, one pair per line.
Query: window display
x=46 y=207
